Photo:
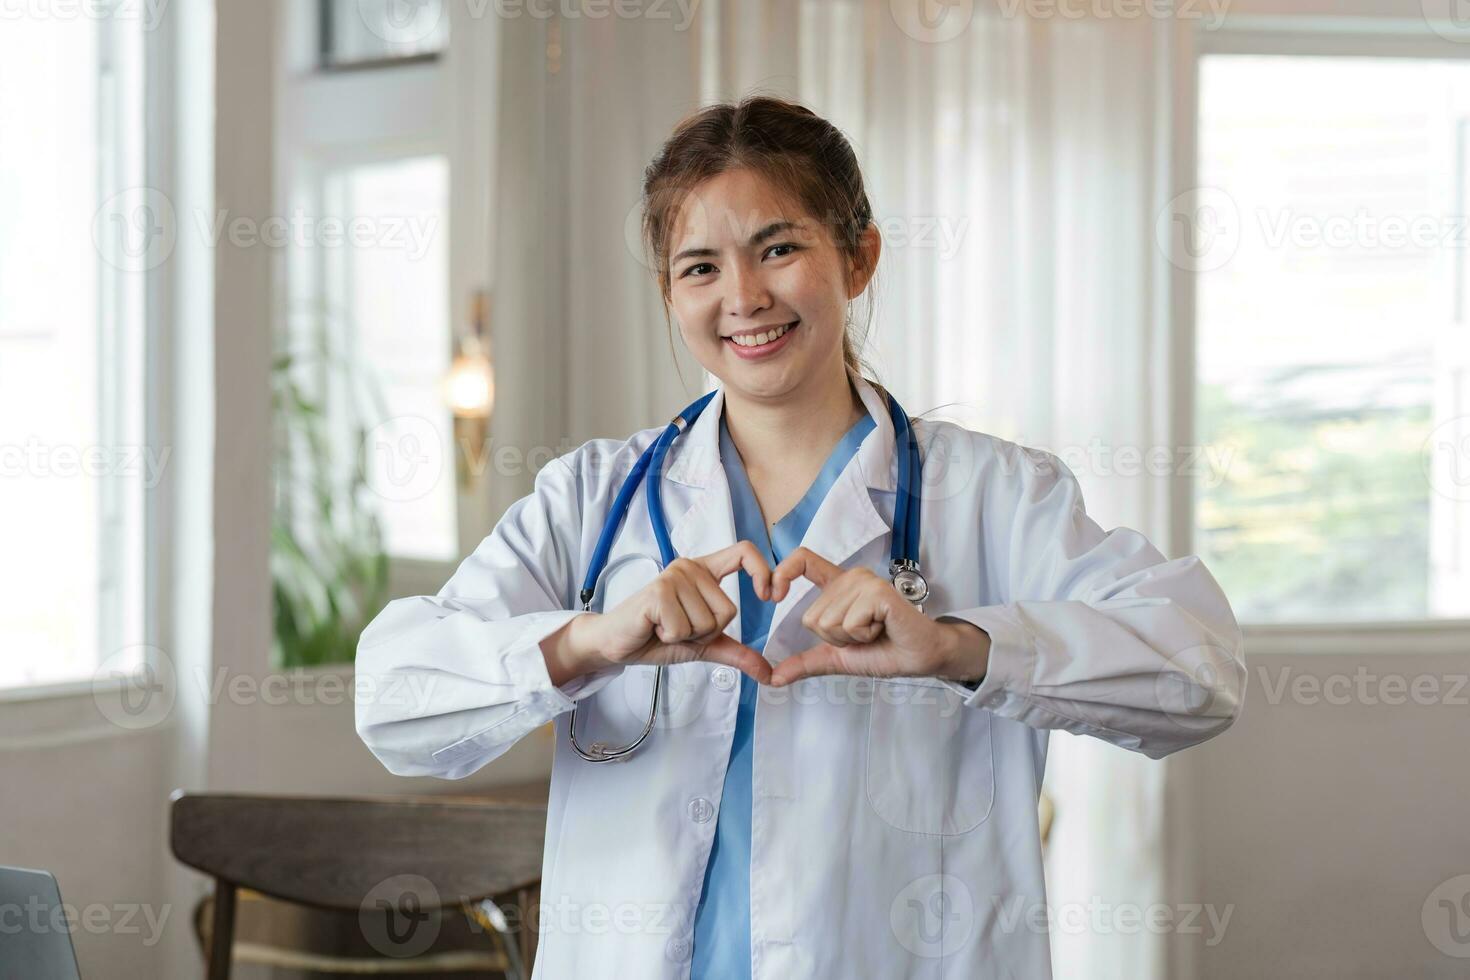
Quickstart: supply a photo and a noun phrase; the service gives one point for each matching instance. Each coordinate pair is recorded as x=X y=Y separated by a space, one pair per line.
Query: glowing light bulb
x=470 y=386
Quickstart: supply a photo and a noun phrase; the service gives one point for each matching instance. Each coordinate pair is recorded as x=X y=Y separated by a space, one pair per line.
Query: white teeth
x=755 y=340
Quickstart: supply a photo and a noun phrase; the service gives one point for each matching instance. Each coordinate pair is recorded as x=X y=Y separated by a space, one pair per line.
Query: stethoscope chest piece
x=910 y=582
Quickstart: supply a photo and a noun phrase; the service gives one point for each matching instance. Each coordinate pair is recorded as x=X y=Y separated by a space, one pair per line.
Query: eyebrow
x=774 y=228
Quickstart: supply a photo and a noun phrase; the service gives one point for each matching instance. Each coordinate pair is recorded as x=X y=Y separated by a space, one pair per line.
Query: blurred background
x=296 y=297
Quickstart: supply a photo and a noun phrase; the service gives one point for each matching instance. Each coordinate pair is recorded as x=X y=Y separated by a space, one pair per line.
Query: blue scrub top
x=722 y=921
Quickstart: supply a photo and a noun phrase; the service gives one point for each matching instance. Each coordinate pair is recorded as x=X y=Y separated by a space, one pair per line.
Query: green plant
x=329 y=569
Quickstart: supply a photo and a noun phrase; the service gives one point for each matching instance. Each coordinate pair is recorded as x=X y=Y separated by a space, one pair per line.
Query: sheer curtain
x=1016 y=167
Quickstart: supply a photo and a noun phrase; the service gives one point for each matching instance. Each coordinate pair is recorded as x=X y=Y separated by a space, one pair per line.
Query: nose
x=746 y=294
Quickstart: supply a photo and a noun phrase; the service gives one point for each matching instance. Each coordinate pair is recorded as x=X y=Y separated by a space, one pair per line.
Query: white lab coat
x=894 y=822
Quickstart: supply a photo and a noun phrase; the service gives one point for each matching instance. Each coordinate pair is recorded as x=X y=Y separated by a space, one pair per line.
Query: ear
x=870 y=246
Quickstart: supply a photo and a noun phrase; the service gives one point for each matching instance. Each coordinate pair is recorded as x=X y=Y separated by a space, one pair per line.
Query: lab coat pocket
x=930 y=769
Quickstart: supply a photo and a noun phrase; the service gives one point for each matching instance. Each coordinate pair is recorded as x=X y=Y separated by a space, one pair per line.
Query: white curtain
x=1016 y=167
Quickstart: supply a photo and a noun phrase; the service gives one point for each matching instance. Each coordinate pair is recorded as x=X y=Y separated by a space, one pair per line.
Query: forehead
x=729 y=208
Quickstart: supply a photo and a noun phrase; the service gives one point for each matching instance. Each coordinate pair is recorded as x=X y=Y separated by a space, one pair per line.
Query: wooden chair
x=421 y=855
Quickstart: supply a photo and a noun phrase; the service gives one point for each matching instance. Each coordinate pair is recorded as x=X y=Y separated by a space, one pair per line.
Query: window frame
x=137 y=372
x=1326 y=36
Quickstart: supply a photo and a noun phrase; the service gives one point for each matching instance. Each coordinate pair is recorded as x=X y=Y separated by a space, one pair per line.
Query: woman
x=839 y=783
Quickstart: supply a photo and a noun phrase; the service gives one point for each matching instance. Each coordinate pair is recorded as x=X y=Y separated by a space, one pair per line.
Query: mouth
x=763 y=344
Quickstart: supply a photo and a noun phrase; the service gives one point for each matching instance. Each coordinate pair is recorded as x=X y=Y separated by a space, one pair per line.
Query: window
x=362 y=33
x=1330 y=243
x=395 y=283
x=367 y=500
x=78 y=230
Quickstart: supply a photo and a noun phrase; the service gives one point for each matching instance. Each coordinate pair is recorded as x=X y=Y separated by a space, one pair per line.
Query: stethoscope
x=903 y=566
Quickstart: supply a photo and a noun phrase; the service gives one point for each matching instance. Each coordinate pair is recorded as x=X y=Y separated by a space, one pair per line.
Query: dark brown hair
x=803 y=155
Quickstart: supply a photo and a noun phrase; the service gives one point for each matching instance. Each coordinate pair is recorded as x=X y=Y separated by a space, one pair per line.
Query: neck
x=806 y=424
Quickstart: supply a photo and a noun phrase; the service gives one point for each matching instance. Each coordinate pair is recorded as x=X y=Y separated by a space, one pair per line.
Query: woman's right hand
x=679 y=616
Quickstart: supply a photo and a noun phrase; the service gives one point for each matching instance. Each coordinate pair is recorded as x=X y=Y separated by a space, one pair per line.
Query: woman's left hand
x=868 y=629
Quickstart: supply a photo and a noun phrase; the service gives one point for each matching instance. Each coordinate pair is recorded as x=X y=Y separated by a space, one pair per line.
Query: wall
x=1327 y=825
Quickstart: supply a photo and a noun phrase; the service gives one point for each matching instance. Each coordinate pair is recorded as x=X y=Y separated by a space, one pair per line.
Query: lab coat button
x=700 y=809
x=723 y=678
x=678 y=949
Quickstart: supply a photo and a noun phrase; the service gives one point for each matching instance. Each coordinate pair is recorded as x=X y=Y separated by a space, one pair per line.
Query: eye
x=690 y=271
x=791 y=245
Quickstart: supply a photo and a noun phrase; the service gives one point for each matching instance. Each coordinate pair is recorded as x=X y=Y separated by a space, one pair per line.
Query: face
x=758 y=288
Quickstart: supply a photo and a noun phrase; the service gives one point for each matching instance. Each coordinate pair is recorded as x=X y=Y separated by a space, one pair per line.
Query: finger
x=719 y=605
x=802 y=563
x=829 y=621
x=704 y=624
x=811 y=662
x=667 y=615
x=732 y=653
x=826 y=616
x=864 y=620
x=741 y=554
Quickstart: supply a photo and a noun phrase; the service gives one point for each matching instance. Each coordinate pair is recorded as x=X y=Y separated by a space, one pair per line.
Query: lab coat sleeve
x=449 y=682
x=1100 y=635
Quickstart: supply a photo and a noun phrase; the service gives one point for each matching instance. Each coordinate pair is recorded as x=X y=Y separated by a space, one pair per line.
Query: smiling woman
x=825 y=734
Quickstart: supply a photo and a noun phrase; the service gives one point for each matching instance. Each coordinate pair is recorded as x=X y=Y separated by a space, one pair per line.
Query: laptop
x=35 y=939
